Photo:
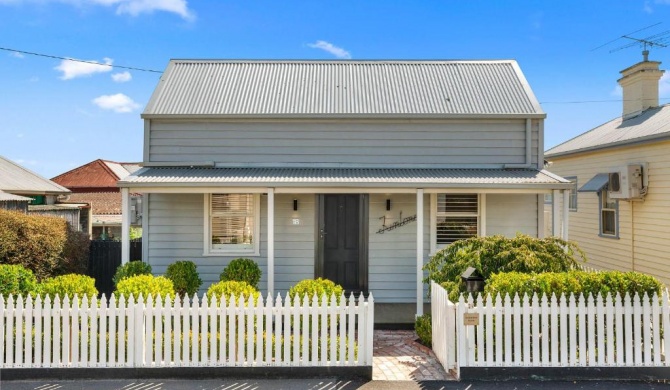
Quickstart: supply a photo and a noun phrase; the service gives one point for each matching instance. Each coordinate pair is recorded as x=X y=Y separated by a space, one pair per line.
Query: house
x=620 y=172
x=24 y=190
x=355 y=171
x=94 y=183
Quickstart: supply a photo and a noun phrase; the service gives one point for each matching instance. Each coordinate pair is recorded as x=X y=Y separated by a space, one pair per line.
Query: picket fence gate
x=565 y=331
x=195 y=332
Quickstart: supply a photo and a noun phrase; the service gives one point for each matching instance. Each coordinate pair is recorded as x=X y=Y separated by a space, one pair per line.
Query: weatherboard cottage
x=355 y=171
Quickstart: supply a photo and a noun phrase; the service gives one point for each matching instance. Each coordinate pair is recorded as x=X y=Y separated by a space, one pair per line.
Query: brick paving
x=397 y=356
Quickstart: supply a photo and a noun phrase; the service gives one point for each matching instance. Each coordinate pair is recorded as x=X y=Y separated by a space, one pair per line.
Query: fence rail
x=565 y=331
x=185 y=333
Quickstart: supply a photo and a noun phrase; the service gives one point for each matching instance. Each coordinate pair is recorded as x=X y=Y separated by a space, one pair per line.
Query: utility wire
x=76 y=60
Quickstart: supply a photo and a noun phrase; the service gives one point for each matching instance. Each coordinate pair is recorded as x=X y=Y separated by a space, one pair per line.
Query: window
x=572 y=199
x=234 y=223
x=609 y=215
x=457 y=217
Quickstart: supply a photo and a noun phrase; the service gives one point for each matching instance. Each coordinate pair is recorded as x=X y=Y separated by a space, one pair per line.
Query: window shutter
x=457 y=217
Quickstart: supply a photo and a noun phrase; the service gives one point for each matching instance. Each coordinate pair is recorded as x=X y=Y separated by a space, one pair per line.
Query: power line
x=84 y=61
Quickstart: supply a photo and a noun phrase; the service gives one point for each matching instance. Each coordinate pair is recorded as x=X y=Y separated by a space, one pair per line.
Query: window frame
x=572 y=199
x=208 y=250
x=434 y=246
x=602 y=198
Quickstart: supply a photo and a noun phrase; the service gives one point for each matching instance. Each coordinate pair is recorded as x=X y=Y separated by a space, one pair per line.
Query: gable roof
x=249 y=88
x=652 y=124
x=15 y=179
x=96 y=174
x=101 y=202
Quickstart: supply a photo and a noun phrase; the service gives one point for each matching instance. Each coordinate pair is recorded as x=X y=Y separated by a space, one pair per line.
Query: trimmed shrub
x=319 y=287
x=129 y=269
x=144 y=285
x=493 y=254
x=34 y=241
x=242 y=270
x=184 y=277
x=575 y=282
x=424 y=329
x=16 y=280
x=75 y=253
x=230 y=288
x=68 y=286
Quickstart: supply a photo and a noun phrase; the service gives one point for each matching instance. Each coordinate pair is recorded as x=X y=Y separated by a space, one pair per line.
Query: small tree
x=184 y=276
x=242 y=270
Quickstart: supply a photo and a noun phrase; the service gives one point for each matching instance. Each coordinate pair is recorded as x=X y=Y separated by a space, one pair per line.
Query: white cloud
x=330 y=48
x=21 y=161
x=19 y=135
x=74 y=69
x=130 y=7
x=34 y=79
x=122 y=77
x=16 y=54
x=117 y=103
x=617 y=91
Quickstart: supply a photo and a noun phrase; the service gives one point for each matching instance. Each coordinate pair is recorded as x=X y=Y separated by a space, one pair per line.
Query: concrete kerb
x=352 y=373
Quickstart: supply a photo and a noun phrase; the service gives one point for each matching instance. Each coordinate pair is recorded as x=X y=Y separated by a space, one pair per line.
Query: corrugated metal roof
x=342 y=88
x=119 y=170
x=5 y=197
x=329 y=177
x=652 y=123
x=17 y=179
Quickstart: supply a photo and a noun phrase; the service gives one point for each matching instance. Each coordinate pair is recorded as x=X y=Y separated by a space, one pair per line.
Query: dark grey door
x=343 y=240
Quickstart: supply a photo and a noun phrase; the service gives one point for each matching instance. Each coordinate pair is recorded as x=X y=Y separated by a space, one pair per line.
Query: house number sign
x=471 y=319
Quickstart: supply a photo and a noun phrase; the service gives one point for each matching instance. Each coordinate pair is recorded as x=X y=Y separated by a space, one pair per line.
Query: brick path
x=396 y=356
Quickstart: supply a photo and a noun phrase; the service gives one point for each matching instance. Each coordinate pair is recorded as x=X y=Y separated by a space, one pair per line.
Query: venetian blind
x=457 y=217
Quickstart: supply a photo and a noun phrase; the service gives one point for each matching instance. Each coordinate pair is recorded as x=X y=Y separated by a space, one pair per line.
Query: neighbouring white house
x=620 y=171
x=356 y=171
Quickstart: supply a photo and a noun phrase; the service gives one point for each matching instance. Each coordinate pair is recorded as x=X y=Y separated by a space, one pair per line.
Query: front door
x=342 y=236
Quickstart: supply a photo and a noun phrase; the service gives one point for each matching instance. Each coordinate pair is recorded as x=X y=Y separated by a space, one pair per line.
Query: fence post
x=370 y=331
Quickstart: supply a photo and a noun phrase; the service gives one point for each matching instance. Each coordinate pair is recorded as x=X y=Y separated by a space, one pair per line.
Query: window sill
x=252 y=253
x=611 y=237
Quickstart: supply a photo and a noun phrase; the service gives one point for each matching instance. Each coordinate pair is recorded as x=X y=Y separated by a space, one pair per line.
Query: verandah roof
x=344 y=177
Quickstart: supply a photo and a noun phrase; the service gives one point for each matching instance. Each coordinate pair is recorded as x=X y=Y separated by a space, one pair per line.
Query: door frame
x=363 y=220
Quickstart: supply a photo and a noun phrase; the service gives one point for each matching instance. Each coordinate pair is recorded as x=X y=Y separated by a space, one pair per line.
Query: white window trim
x=481 y=218
x=573 y=190
x=601 y=207
x=207 y=238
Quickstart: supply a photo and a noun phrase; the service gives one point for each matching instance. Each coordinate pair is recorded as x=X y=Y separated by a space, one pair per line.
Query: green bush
x=424 y=329
x=34 y=241
x=242 y=270
x=575 y=282
x=16 y=280
x=129 y=269
x=184 y=277
x=230 y=288
x=145 y=285
x=75 y=253
x=68 y=286
x=319 y=287
x=493 y=254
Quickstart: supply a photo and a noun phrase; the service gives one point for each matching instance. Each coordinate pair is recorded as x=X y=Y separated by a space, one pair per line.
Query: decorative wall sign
x=400 y=222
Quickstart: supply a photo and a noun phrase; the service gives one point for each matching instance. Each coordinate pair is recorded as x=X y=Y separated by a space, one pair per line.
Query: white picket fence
x=572 y=331
x=193 y=333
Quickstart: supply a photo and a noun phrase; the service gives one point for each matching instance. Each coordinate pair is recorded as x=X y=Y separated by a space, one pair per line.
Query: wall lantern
x=295 y=204
x=474 y=282
x=388 y=204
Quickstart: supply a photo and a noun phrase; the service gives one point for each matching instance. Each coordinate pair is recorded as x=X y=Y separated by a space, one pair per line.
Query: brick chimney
x=640 y=86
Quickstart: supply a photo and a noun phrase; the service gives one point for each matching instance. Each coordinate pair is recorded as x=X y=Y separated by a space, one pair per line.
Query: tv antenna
x=661 y=39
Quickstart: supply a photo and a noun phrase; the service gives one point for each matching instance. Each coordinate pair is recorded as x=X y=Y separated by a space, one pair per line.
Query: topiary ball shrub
x=184 y=277
x=16 y=280
x=229 y=288
x=129 y=269
x=319 y=287
x=145 y=285
x=242 y=270
x=424 y=329
x=68 y=286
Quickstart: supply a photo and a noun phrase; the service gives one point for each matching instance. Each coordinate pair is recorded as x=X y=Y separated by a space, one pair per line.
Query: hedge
x=68 y=286
x=184 y=277
x=45 y=245
x=242 y=270
x=575 y=282
x=16 y=280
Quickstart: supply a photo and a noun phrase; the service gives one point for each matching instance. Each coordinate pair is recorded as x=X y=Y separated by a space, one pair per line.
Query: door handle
x=322 y=233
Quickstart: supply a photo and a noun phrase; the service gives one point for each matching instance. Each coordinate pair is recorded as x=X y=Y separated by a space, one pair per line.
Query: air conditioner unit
x=627 y=182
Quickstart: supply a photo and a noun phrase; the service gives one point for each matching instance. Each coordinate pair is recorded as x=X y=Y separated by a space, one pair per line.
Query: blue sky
x=57 y=115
